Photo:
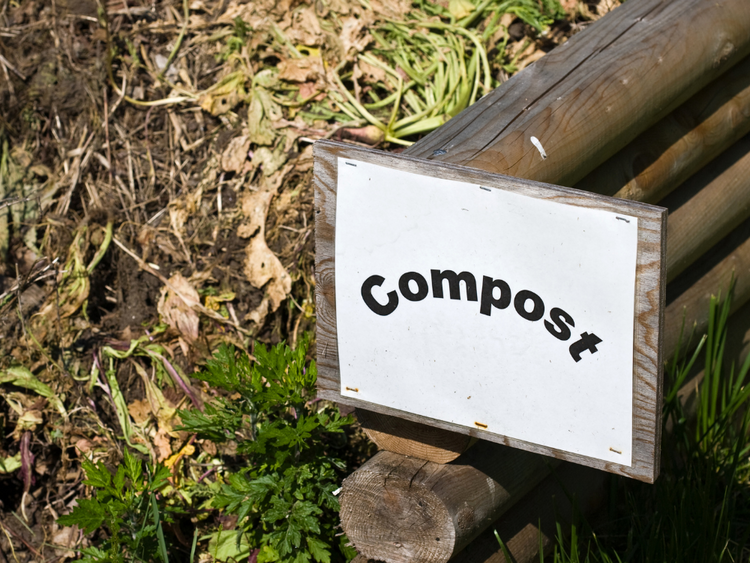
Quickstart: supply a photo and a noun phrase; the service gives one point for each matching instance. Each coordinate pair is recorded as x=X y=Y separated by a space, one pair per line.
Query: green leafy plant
x=283 y=496
x=128 y=505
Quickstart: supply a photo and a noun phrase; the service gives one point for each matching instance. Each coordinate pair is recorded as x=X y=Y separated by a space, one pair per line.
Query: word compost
x=494 y=294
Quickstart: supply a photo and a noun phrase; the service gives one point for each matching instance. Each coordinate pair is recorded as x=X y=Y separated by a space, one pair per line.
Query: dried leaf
x=234 y=157
x=301 y=70
x=225 y=95
x=353 y=34
x=371 y=73
x=269 y=160
x=304 y=28
x=159 y=406
x=176 y=310
x=391 y=9
x=140 y=410
x=162 y=445
x=262 y=268
x=258 y=124
x=64 y=539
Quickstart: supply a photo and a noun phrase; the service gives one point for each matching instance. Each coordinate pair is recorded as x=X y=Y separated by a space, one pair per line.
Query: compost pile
x=155 y=202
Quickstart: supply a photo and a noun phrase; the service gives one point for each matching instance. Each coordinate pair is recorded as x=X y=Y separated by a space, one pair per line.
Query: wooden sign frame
x=648 y=314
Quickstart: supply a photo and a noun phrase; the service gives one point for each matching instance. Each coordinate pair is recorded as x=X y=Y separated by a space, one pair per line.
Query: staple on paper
x=538 y=145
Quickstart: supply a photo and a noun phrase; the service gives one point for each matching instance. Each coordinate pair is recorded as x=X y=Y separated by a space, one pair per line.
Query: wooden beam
x=663 y=157
x=708 y=207
x=692 y=304
x=405 y=437
x=594 y=94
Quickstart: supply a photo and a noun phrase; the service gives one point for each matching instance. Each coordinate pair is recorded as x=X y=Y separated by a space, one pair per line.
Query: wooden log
x=398 y=508
x=405 y=437
x=594 y=94
x=708 y=207
x=692 y=304
x=670 y=152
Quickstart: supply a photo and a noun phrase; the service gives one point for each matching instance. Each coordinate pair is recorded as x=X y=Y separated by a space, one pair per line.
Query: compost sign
x=509 y=312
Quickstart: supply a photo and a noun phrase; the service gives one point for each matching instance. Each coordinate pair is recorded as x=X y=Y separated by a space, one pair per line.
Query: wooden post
x=663 y=157
x=398 y=508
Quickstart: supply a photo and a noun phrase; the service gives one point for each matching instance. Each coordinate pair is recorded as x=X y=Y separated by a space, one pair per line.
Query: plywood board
x=513 y=311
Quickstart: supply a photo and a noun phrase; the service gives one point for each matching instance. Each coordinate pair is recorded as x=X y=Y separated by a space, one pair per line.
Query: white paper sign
x=487 y=308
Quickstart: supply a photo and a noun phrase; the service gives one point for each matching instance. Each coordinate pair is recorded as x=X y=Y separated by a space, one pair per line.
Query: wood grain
x=664 y=156
x=401 y=509
x=708 y=207
x=692 y=305
x=401 y=436
x=648 y=303
x=591 y=96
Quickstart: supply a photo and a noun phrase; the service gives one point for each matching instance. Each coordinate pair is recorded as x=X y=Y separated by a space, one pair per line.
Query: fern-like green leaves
x=125 y=502
x=283 y=496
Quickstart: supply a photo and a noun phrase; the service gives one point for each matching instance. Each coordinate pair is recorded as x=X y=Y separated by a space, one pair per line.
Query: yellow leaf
x=174 y=458
x=459 y=9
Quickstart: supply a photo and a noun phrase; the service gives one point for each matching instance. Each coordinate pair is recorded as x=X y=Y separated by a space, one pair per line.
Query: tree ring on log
x=377 y=521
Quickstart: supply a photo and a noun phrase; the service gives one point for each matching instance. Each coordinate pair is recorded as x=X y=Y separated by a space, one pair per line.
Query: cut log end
x=377 y=508
x=413 y=439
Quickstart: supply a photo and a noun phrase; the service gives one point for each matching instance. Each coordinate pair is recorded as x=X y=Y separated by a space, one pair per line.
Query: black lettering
x=520 y=304
x=488 y=298
x=559 y=317
x=454 y=280
x=371 y=302
x=587 y=342
x=422 y=289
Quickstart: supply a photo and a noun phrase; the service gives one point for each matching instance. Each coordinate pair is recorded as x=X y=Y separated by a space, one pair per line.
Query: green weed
x=283 y=496
x=279 y=482
x=128 y=505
